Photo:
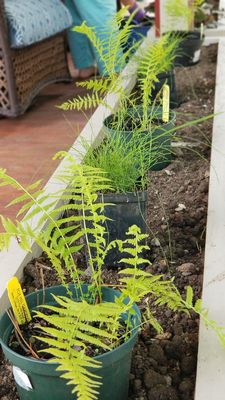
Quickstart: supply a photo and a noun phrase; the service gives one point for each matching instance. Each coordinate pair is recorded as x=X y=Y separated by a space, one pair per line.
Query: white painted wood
x=13 y=260
x=210 y=383
x=222 y=5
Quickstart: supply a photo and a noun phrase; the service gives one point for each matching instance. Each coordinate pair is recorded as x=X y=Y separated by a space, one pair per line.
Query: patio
x=28 y=143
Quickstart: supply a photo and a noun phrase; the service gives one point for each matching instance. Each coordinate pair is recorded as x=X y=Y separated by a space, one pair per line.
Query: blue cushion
x=31 y=21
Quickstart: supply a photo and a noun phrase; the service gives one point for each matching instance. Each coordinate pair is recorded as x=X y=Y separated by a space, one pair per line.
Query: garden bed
x=164 y=367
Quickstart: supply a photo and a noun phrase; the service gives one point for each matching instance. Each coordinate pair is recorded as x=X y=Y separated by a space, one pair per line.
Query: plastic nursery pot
x=39 y=380
x=129 y=209
x=189 y=49
x=169 y=79
x=157 y=138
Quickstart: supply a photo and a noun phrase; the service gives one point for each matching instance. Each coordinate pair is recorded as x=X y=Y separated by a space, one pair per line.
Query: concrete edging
x=210 y=382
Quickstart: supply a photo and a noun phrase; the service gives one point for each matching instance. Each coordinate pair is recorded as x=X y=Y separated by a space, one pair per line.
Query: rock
x=31 y=271
x=168 y=313
x=174 y=348
x=186 y=386
x=203 y=187
x=175 y=375
x=180 y=207
x=188 y=365
x=137 y=385
x=155 y=242
x=163 y=265
x=153 y=363
x=162 y=392
x=168 y=380
x=181 y=189
x=163 y=371
x=177 y=329
x=156 y=352
x=163 y=336
x=152 y=378
x=186 y=269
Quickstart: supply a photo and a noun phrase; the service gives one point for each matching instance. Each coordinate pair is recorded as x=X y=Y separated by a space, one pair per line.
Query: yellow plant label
x=18 y=301
x=166 y=103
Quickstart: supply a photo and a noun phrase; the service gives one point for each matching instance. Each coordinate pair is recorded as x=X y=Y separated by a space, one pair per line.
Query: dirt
x=164 y=366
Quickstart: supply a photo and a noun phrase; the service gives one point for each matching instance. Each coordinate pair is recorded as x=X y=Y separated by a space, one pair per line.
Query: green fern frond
x=101 y=85
x=71 y=327
x=154 y=60
x=83 y=184
x=80 y=103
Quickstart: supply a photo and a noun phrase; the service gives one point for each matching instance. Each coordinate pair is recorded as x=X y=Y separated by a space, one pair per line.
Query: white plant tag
x=196 y=56
x=22 y=379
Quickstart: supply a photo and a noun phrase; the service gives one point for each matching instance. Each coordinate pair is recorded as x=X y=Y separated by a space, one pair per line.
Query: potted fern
x=136 y=112
x=191 y=40
x=141 y=113
x=73 y=317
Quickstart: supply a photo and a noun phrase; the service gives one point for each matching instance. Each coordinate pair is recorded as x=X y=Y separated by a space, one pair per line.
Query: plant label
x=22 y=379
x=166 y=103
x=18 y=301
x=196 y=57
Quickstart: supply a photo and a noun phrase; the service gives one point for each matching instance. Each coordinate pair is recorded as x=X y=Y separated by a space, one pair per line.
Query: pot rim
x=172 y=119
x=100 y=357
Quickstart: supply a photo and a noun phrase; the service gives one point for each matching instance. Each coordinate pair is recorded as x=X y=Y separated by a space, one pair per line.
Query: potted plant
x=126 y=164
x=141 y=113
x=138 y=110
x=74 y=317
x=189 y=50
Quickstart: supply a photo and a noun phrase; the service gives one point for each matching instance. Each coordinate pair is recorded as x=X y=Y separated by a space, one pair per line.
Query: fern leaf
x=71 y=326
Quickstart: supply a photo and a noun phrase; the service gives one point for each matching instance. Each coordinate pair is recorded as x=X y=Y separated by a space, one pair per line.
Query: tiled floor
x=28 y=143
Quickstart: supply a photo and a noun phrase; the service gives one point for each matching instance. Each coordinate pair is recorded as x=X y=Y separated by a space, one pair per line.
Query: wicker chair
x=24 y=72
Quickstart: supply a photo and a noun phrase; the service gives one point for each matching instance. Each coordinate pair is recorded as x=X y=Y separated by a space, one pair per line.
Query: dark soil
x=164 y=366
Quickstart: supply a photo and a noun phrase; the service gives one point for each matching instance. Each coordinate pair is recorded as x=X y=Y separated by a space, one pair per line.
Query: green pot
x=41 y=381
x=157 y=140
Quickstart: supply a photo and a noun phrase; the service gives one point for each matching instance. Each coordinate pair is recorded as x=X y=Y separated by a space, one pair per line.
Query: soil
x=164 y=366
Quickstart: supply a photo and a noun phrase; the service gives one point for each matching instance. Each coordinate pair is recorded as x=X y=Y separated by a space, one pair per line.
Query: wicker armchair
x=24 y=72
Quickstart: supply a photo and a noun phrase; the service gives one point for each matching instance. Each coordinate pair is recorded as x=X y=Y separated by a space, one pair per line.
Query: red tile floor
x=28 y=143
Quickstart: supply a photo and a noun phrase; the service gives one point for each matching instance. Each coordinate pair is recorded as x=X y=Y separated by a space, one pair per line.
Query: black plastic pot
x=189 y=49
x=169 y=79
x=128 y=209
x=157 y=139
x=45 y=382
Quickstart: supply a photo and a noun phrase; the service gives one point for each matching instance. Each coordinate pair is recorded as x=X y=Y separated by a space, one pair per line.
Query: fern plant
x=153 y=60
x=73 y=325
x=114 y=59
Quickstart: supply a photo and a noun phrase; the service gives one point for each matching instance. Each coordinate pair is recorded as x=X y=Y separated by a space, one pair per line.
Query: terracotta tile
x=28 y=143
